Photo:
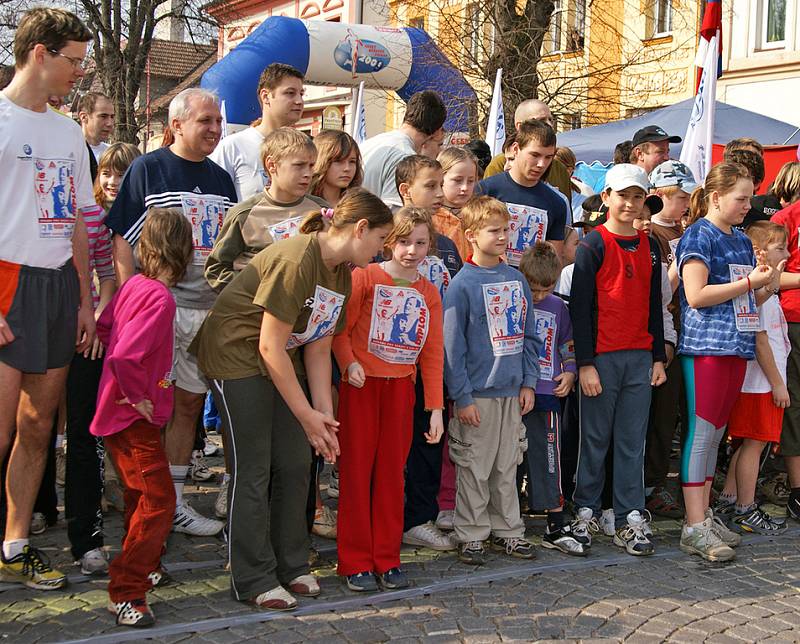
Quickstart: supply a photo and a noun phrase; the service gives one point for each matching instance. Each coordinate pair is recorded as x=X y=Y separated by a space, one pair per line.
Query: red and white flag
x=697 y=144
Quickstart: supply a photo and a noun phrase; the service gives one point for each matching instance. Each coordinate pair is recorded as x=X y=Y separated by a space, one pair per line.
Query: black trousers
x=423 y=467
x=83 y=487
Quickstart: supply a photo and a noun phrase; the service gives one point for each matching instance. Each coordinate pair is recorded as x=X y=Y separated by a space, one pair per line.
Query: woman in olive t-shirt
x=292 y=294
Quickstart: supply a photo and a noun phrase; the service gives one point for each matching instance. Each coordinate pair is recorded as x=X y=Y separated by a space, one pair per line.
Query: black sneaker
x=793 y=508
x=632 y=537
x=393 y=579
x=472 y=552
x=759 y=522
x=564 y=540
x=161 y=578
x=362 y=582
x=514 y=547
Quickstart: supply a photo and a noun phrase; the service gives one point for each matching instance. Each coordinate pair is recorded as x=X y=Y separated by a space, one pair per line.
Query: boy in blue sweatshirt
x=491 y=368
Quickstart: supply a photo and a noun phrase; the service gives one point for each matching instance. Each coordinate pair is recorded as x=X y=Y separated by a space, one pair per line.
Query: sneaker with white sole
x=563 y=540
x=276 y=599
x=513 y=546
x=728 y=536
x=428 y=535
x=135 y=613
x=305 y=586
x=221 y=504
x=608 y=522
x=702 y=539
x=324 y=522
x=38 y=523
x=758 y=521
x=631 y=536
x=198 y=469
x=209 y=448
x=444 y=520
x=31 y=567
x=94 y=562
x=584 y=525
x=189 y=521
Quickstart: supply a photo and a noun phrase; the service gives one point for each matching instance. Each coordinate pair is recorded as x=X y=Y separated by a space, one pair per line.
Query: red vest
x=623 y=295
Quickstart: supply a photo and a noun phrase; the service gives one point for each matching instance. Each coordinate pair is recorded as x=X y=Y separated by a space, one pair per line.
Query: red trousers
x=143 y=470
x=374 y=438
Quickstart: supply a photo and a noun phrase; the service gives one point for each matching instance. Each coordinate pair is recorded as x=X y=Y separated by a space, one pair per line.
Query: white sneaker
x=209 y=448
x=428 y=536
x=188 y=521
x=444 y=521
x=583 y=526
x=607 y=522
x=198 y=470
x=38 y=523
x=221 y=504
x=94 y=562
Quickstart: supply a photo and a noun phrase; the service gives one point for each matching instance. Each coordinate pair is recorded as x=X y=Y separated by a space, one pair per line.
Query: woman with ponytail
x=721 y=284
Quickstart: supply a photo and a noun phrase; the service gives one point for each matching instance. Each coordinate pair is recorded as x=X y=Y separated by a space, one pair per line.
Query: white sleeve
x=224 y=155
x=84 y=192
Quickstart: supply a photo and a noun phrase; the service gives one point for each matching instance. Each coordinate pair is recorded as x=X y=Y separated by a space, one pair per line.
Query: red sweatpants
x=374 y=438
x=143 y=470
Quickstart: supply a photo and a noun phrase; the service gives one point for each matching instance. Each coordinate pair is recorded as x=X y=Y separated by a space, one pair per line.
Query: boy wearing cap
x=619 y=348
x=650 y=147
x=674 y=183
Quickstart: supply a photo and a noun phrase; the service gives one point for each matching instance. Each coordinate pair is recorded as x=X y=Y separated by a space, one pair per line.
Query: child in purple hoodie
x=557 y=372
x=135 y=400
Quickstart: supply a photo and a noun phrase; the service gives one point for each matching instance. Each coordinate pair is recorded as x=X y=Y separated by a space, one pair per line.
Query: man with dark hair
x=280 y=92
x=650 y=147
x=423 y=122
x=96 y=116
x=46 y=312
x=622 y=152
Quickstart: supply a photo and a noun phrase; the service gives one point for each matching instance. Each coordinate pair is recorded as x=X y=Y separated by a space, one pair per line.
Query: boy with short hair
x=491 y=369
x=273 y=214
x=619 y=347
x=674 y=183
x=280 y=93
x=540 y=266
x=537 y=211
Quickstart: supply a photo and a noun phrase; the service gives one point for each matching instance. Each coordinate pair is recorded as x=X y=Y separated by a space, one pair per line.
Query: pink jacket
x=136 y=328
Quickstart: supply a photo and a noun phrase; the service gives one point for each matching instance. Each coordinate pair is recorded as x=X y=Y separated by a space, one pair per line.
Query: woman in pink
x=135 y=400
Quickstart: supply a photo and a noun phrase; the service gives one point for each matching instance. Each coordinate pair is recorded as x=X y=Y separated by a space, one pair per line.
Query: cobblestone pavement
x=606 y=596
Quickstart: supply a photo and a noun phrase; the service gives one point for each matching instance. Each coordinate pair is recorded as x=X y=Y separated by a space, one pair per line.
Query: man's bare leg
x=38 y=403
x=10 y=384
x=179 y=437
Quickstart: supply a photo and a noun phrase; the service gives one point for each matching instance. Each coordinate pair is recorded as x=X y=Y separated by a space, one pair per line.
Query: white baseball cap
x=625 y=175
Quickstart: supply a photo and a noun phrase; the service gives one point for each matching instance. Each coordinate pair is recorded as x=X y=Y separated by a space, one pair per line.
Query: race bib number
x=326 y=307
x=205 y=214
x=399 y=325
x=744 y=306
x=546 y=332
x=433 y=269
x=285 y=229
x=54 y=185
x=526 y=226
x=505 y=316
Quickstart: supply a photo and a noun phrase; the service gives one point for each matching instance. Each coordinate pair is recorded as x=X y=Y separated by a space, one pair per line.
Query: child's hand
x=95 y=351
x=469 y=415
x=659 y=375
x=434 y=434
x=670 y=351
x=526 y=399
x=780 y=396
x=320 y=429
x=356 y=375
x=590 y=381
x=565 y=380
x=761 y=276
x=144 y=407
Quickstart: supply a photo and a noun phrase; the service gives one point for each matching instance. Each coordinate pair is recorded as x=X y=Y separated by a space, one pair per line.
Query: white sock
x=13 y=548
x=178 y=473
x=59 y=441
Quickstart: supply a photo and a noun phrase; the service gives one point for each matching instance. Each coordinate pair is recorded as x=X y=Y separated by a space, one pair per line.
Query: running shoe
x=362 y=582
x=31 y=567
x=563 y=540
x=514 y=547
x=428 y=535
x=663 y=504
x=135 y=613
x=393 y=579
x=94 y=562
x=472 y=552
x=189 y=521
x=632 y=537
x=702 y=539
x=584 y=526
x=758 y=521
x=728 y=536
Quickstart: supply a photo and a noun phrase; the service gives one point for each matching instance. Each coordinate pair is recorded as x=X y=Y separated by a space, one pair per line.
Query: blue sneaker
x=362 y=582
x=393 y=579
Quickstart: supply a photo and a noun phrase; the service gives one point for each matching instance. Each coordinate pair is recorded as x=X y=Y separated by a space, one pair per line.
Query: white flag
x=224 y=119
x=360 y=117
x=496 y=127
x=699 y=139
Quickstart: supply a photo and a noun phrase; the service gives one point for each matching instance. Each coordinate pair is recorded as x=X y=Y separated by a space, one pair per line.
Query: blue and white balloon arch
x=405 y=60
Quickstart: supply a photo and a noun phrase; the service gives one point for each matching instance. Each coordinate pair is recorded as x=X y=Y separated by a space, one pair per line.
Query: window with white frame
x=473 y=27
x=577 y=30
x=555 y=26
x=772 y=27
x=662 y=17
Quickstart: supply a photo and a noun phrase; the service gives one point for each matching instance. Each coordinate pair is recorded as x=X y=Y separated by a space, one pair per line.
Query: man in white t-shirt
x=423 y=123
x=96 y=116
x=45 y=302
x=280 y=92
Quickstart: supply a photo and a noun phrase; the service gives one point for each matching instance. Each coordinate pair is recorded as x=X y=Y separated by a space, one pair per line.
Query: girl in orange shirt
x=394 y=321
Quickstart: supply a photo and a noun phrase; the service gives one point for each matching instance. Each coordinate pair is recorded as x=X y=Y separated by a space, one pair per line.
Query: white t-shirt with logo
x=98 y=150
x=45 y=168
x=239 y=155
x=771 y=320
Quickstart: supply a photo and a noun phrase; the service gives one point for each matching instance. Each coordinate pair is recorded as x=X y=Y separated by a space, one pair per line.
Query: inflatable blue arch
x=405 y=60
